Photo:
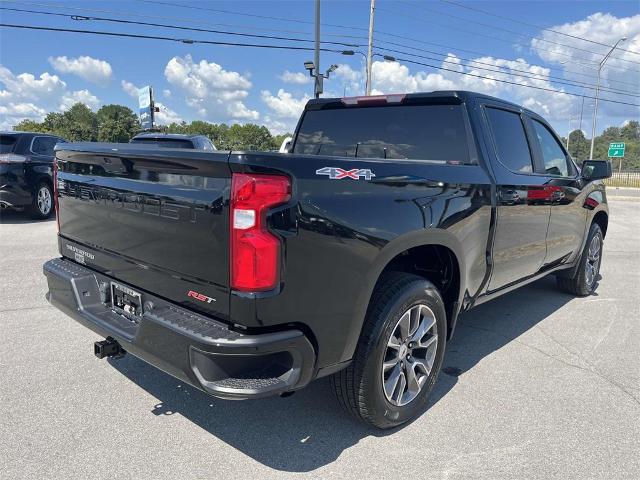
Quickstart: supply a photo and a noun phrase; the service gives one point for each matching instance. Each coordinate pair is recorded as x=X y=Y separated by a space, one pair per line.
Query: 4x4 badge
x=335 y=173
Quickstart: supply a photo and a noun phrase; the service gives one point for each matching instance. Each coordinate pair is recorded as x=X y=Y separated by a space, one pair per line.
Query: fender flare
x=395 y=247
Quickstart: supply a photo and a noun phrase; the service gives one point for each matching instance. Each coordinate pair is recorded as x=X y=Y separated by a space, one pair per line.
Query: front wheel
x=399 y=354
x=585 y=280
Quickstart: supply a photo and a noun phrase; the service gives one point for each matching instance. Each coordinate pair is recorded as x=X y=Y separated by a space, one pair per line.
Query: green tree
x=79 y=124
x=116 y=123
x=578 y=146
x=54 y=123
x=631 y=131
x=249 y=137
x=30 y=126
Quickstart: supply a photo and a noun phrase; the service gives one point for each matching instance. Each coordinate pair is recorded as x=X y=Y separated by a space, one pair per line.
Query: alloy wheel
x=409 y=355
x=44 y=200
x=592 y=266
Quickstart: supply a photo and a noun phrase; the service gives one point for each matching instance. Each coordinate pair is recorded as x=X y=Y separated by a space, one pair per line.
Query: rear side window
x=510 y=140
x=435 y=133
x=44 y=145
x=8 y=143
x=555 y=160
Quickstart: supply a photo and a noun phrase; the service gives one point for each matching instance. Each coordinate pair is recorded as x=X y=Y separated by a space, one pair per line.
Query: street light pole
x=317 y=86
x=595 y=108
x=370 y=51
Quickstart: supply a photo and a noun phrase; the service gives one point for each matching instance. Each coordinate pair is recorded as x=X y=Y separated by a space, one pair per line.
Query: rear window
x=164 y=142
x=433 y=133
x=8 y=143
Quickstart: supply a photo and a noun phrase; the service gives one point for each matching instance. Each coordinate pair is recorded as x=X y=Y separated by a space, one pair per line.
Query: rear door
x=523 y=209
x=154 y=218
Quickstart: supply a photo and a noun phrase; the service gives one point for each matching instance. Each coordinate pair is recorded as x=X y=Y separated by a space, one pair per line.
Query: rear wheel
x=42 y=203
x=585 y=280
x=399 y=354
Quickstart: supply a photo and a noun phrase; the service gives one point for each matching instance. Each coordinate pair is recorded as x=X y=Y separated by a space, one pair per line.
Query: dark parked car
x=247 y=274
x=26 y=172
x=174 y=140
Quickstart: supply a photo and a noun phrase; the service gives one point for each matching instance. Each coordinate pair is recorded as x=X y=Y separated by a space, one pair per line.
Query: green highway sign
x=616 y=150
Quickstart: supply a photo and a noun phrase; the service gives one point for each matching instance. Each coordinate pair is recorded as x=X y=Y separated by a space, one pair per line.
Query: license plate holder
x=126 y=301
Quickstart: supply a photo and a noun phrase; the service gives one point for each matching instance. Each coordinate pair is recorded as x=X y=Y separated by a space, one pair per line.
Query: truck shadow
x=309 y=429
x=14 y=217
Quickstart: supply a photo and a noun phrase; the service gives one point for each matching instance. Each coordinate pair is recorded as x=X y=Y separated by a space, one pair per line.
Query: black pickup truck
x=247 y=274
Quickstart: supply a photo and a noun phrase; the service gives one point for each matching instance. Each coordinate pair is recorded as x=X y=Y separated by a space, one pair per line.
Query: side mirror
x=596 y=169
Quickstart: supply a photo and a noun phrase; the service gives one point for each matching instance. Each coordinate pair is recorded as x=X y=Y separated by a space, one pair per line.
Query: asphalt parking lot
x=536 y=384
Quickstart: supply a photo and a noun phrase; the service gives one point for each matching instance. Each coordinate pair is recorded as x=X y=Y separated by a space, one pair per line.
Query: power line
x=149 y=24
x=491 y=37
x=581 y=74
x=107 y=19
x=511 y=19
x=516 y=83
x=523 y=73
x=495 y=27
x=157 y=37
x=253 y=15
x=174 y=19
x=578 y=74
x=286 y=47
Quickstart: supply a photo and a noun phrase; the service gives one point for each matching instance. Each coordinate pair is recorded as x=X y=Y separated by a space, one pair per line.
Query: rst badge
x=335 y=173
x=200 y=297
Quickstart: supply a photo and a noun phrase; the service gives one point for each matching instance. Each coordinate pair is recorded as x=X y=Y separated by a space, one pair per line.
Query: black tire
x=360 y=387
x=42 y=208
x=584 y=282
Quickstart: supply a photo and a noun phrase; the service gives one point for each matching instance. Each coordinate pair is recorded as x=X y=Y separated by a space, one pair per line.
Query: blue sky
x=43 y=71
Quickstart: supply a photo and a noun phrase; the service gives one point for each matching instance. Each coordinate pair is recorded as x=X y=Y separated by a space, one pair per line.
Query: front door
x=568 y=217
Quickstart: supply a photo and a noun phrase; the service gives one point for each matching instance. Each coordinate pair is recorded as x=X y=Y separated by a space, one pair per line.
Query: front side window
x=510 y=140
x=435 y=133
x=555 y=160
x=43 y=146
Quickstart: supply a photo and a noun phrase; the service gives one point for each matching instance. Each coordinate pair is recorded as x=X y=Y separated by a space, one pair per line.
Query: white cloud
x=129 y=88
x=27 y=87
x=87 y=68
x=213 y=92
x=167 y=93
x=26 y=96
x=166 y=115
x=603 y=28
x=394 y=77
x=13 y=113
x=284 y=110
x=284 y=104
x=296 y=78
x=83 y=96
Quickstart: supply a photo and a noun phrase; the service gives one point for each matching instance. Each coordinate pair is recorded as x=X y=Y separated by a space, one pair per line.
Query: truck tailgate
x=154 y=218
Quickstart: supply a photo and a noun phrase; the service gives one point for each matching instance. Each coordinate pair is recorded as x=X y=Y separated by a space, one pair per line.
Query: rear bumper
x=13 y=198
x=198 y=350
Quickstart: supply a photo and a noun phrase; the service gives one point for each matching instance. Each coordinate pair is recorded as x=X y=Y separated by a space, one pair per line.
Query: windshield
x=434 y=133
x=164 y=142
x=7 y=143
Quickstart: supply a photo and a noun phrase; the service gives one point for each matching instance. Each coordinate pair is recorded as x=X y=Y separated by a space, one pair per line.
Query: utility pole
x=595 y=108
x=317 y=89
x=370 y=52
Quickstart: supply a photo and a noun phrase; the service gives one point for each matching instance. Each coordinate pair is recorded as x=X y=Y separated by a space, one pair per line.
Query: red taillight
x=255 y=252
x=12 y=158
x=55 y=191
